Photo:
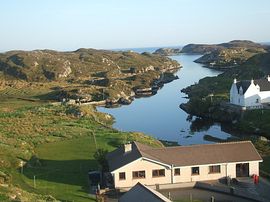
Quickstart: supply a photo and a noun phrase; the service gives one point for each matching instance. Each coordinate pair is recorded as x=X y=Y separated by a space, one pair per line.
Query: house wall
x=254 y=168
x=265 y=96
x=231 y=170
x=234 y=94
x=186 y=174
x=138 y=165
x=235 y=97
x=251 y=96
x=228 y=169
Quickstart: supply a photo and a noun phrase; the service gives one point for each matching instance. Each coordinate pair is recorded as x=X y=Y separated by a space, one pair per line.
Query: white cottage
x=250 y=94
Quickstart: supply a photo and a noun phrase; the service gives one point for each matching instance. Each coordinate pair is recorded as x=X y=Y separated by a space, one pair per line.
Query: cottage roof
x=142 y=193
x=263 y=83
x=244 y=84
x=242 y=151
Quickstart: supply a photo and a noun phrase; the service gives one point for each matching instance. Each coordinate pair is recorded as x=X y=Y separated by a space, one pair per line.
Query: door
x=242 y=170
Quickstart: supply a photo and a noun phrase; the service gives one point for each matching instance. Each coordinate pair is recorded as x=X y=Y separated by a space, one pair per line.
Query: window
x=214 y=169
x=138 y=174
x=158 y=173
x=195 y=170
x=257 y=100
x=122 y=176
x=177 y=171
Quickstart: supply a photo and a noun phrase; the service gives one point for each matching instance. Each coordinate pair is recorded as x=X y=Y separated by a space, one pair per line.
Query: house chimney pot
x=127 y=147
x=234 y=81
x=268 y=78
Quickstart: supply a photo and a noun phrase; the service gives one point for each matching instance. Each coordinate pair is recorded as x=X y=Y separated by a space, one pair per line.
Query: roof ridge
x=138 y=148
x=197 y=145
x=154 y=192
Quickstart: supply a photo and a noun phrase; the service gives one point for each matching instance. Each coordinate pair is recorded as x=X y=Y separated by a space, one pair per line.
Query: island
x=168 y=51
x=225 y=55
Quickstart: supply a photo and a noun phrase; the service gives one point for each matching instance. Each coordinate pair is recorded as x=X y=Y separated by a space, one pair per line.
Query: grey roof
x=187 y=155
x=244 y=84
x=119 y=158
x=143 y=193
x=263 y=83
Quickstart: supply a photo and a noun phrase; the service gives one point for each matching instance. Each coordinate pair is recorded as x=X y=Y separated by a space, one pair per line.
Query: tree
x=100 y=157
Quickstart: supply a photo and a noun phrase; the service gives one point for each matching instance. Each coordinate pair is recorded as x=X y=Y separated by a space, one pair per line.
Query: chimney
x=252 y=81
x=127 y=147
x=268 y=78
x=234 y=81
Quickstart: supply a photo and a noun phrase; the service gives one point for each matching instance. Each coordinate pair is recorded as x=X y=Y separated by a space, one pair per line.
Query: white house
x=171 y=166
x=250 y=94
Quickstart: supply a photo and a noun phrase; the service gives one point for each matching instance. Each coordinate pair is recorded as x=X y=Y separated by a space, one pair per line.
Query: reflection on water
x=160 y=115
x=200 y=125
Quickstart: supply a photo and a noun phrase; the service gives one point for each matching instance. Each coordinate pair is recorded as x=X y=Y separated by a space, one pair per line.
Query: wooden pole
x=34 y=181
x=95 y=141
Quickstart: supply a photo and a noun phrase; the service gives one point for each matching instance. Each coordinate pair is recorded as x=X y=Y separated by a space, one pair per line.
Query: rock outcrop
x=167 y=51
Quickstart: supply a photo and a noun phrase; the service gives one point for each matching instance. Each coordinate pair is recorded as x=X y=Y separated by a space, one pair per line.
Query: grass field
x=63 y=169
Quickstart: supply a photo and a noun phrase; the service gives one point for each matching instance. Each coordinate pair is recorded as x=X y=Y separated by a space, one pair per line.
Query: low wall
x=165 y=186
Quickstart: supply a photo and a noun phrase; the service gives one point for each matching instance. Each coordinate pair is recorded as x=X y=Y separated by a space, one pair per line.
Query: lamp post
x=21 y=165
x=211 y=97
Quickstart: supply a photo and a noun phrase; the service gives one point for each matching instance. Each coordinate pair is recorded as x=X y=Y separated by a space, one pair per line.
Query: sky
x=112 y=24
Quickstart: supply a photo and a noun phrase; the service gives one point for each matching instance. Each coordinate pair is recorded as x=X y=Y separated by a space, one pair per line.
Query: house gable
x=142 y=193
x=147 y=161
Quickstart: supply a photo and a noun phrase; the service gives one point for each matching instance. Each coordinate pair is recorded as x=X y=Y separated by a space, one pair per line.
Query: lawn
x=62 y=169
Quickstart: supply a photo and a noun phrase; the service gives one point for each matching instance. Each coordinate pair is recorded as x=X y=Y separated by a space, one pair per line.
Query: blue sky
x=71 y=24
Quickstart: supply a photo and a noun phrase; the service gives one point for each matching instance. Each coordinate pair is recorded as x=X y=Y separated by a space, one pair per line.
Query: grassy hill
x=82 y=64
x=225 y=55
x=85 y=74
x=208 y=48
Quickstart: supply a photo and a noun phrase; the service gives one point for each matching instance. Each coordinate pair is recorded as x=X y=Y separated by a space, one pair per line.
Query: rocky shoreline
x=142 y=92
x=157 y=84
x=222 y=112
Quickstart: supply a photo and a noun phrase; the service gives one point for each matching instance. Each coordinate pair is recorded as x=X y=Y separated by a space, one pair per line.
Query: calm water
x=160 y=115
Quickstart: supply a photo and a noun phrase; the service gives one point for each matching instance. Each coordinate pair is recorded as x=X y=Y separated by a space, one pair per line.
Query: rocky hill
x=199 y=48
x=85 y=74
x=47 y=65
x=208 y=48
x=229 y=57
x=167 y=51
x=225 y=55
